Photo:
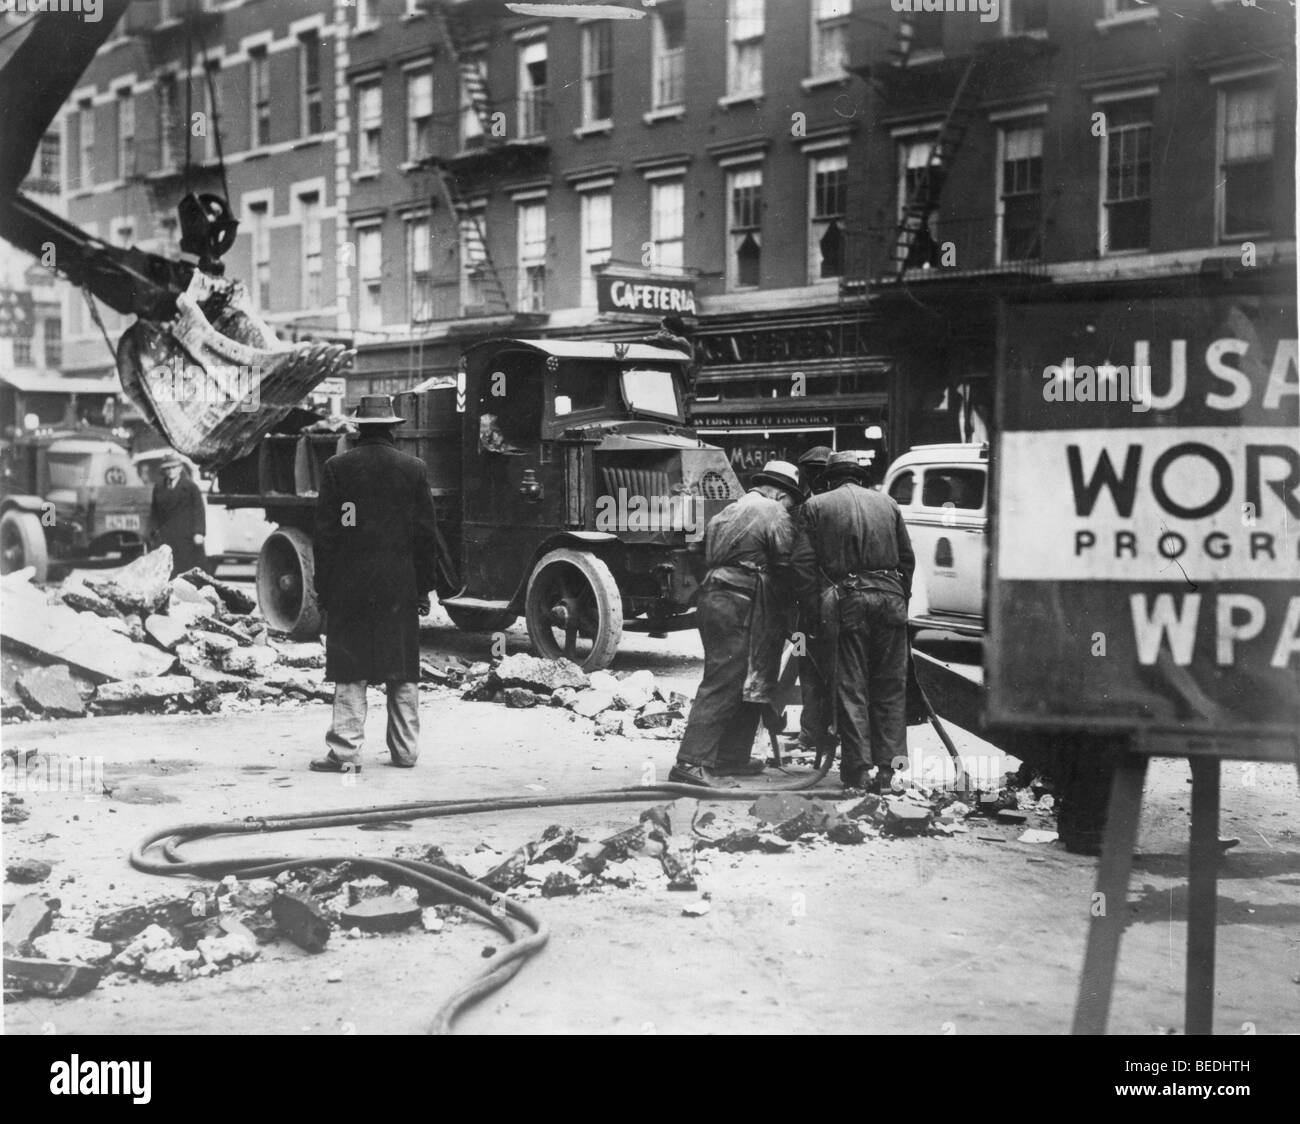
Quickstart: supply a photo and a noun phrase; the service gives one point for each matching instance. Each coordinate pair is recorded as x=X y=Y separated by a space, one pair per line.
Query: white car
x=943 y=493
x=234 y=534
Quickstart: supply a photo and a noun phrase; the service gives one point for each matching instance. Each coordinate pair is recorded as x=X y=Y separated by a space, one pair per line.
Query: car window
x=963 y=488
x=901 y=489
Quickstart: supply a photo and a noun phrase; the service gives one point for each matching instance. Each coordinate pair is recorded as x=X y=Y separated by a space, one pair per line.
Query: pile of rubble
x=134 y=639
x=633 y=705
x=671 y=847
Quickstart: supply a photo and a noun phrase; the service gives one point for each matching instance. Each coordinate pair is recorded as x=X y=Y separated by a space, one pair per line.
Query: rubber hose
x=449 y=885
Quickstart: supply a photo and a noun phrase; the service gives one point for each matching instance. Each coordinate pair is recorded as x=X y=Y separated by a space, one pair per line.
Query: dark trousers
x=871 y=680
x=815 y=715
x=721 y=726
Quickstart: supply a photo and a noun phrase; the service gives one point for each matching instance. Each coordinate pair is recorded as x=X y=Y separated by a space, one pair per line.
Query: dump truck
x=568 y=488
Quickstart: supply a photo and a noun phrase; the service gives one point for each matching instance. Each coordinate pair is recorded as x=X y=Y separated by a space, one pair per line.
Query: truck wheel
x=574 y=609
x=479 y=620
x=22 y=543
x=286 y=590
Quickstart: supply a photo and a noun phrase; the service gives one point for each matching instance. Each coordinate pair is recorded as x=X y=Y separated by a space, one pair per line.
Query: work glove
x=422 y=606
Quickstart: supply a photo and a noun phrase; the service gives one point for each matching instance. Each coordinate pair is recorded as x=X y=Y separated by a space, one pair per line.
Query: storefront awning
x=38 y=381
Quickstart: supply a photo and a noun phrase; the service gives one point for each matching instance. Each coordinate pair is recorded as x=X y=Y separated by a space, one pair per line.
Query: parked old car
x=943 y=493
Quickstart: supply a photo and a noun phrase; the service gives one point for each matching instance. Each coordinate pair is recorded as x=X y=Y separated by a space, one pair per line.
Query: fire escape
x=494 y=155
x=897 y=82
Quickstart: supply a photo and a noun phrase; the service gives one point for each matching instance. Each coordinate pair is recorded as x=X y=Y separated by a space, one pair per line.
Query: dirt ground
x=976 y=933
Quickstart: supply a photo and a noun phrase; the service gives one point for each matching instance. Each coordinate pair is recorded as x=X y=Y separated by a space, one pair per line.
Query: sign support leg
x=1202 y=892
x=1092 y=1010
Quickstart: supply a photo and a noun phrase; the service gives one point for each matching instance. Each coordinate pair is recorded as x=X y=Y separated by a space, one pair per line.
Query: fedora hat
x=173 y=459
x=376 y=409
x=780 y=474
x=847 y=462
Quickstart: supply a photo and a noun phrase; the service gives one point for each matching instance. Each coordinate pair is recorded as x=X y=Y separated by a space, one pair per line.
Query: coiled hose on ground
x=159 y=853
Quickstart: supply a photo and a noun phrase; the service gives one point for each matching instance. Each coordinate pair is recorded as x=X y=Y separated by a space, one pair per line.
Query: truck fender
x=580 y=540
x=34 y=504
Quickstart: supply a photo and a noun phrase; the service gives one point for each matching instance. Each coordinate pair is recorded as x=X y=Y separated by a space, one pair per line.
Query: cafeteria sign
x=645 y=295
x=1147 y=523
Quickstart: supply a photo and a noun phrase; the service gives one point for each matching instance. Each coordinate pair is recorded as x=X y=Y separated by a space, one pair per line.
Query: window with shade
x=419 y=114
x=532 y=89
x=597 y=73
x=531 y=234
x=259 y=96
x=52 y=330
x=85 y=144
x=370 y=126
x=668 y=223
x=125 y=134
x=1126 y=209
x=212 y=102
x=1021 y=192
x=168 y=100
x=370 y=270
x=419 y=271
x=309 y=206
x=745 y=205
x=745 y=49
x=309 y=71
x=1246 y=175
x=830 y=37
x=829 y=205
x=668 y=44
x=597 y=240
x=260 y=233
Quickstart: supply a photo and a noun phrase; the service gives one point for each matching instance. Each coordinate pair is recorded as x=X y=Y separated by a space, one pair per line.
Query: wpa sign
x=1145 y=560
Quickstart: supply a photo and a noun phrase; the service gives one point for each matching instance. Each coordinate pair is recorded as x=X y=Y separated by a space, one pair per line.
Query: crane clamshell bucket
x=215 y=379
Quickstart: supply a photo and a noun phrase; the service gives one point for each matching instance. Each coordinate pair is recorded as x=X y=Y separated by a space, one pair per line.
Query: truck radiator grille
x=636 y=482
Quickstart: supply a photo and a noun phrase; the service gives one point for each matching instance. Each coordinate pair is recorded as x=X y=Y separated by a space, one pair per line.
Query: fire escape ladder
x=930 y=180
x=473 y=241
x=467 y=66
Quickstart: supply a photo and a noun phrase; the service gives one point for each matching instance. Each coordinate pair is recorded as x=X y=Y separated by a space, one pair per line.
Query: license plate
x=122 y=522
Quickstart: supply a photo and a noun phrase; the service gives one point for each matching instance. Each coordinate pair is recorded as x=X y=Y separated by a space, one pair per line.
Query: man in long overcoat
x=743 y=614
x=375 y=557
x=853 y=567
x=179 y=516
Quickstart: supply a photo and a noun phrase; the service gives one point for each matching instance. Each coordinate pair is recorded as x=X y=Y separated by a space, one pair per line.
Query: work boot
x=883 y=782
x=750 y=768
x=331 y=764
x=692 y=774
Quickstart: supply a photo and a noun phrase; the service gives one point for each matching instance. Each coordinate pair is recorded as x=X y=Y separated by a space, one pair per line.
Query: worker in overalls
x=744 y=620
x=853 y=570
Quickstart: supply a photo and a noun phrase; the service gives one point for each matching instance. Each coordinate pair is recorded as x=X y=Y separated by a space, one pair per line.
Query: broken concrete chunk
x=902 y=817
x=556 y=844
x=141 y=694
x=55 y=979
x=233 y=598
x=1011 y=815
x=230 y=948
x=303 y=655
x=520 y=698
x=72 y=946
x=360 y=889
x=847 y=833
x=84 y=600
x=603 y=681
x=31 y=917
x=171 y=963
x=166 y=632
x=509 y=874
x=27 y=871
x=50 y=691
x=181 y=590
x=590 y=858
x=537 y=674
x=386 y=914
x=142 y=587
x=864 y=808
x=559 y=884
x=591 y=703
x=86 y=643
x=777 y=807
x=153 y=938
x=563 y=696
x=300 y=919
x=246 y=661
x=656 y=715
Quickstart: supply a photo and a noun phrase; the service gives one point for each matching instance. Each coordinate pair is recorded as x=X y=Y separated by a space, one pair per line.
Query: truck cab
x=584 y=493
x=69 y=496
